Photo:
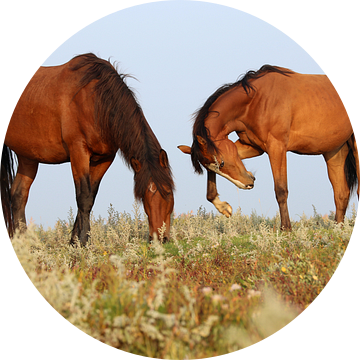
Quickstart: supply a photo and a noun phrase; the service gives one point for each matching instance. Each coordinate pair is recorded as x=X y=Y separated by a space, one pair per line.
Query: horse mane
x=122 y=123
x=201 y=114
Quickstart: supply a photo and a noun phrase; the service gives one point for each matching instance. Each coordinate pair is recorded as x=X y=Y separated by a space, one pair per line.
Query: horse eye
x=222 y=164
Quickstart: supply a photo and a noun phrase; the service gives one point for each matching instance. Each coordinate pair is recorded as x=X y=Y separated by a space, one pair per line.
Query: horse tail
x=351 y=165
x=6 y=179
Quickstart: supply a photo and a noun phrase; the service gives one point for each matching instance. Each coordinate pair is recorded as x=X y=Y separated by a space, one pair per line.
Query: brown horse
x=83 y=112
x=274 y=110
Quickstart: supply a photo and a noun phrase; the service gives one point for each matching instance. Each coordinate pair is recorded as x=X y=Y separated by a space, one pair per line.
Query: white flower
x=252 y=293
x=235 y=287
x=206 y=290
x=216 y=298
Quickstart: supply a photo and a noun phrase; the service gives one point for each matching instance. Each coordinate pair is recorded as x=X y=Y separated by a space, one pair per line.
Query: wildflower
x=217 y=298
x=315 y=277
x=206 y=290
x=284 y=269
x=235 y=287
x=253 y=293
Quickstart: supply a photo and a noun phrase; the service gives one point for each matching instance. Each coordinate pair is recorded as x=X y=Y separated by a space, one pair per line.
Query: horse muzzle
x=251 y=185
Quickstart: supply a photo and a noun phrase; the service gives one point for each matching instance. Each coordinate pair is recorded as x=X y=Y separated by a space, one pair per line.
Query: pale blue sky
x=180 y=52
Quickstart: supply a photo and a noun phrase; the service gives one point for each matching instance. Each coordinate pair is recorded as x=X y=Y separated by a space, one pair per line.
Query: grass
x=220 y=285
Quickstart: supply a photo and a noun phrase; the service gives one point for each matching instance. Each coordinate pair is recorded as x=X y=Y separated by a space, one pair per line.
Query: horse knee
x=211 y=194
x=342 y=199
x=281 y=193
x=210 y=197
x=84 y=196
x=84 y=202
x=19 y=199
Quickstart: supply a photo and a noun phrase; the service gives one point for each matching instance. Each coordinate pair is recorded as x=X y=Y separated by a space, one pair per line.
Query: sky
x=180 y=52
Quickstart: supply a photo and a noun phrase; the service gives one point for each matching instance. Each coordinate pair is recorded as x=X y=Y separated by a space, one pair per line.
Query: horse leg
x=97 y=171
x=25 y=176
x=80 y=166
x=213 y=196
x=87 y=177
x=335 y=161
x=277 y=157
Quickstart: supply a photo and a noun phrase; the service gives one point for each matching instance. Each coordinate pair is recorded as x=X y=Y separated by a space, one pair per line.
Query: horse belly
x=320 y=137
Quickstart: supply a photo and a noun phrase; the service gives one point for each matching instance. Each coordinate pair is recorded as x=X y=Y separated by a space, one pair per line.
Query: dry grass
x=219 y=286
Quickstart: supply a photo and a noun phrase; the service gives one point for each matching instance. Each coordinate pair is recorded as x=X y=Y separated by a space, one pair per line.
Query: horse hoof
x=227 y=210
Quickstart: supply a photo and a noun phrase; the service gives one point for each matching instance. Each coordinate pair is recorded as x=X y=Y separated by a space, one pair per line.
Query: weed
x=219 y=285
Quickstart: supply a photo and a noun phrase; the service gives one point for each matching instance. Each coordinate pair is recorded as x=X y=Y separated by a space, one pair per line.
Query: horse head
x=158 y=202
x=224 y=161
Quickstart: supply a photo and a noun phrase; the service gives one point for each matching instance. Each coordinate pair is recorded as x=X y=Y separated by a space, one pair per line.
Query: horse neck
x=227 y=113
x=146 y=145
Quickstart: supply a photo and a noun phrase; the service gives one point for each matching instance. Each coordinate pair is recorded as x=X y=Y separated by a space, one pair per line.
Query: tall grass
x=219 y=285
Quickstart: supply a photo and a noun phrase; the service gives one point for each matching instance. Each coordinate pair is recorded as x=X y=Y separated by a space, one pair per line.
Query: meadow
x=218 y=286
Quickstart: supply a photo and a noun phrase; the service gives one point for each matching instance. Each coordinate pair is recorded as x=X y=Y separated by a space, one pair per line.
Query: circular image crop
x=112 y=166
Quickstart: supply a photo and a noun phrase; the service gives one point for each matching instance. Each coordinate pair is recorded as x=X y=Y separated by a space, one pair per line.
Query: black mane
x=122 y=123
x=201 y=114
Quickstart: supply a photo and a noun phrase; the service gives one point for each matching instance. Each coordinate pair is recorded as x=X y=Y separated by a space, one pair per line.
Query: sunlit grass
x=219 y=285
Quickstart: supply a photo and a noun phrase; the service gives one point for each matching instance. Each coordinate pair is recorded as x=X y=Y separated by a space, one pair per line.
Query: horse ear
x=163 y=158
x=185 y=149
x=201 y=140
x=202 y=144
x=135 y=164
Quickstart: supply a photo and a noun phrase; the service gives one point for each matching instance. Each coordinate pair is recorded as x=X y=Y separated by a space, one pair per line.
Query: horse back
x=304 y=109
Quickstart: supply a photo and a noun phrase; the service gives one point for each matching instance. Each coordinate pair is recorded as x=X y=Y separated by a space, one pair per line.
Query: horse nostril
x=165 y=239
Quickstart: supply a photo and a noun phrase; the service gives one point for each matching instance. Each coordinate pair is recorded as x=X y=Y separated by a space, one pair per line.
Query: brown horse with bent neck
x=274 y=110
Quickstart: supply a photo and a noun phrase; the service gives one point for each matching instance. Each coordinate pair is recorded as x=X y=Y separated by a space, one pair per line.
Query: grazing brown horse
x=274 y=110
x=83 y=112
